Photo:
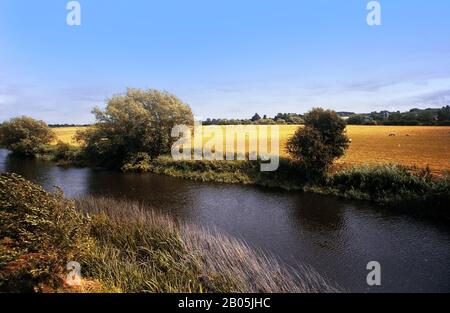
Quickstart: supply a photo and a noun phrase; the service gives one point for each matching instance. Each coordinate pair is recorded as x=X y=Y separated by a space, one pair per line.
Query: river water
x=336 y=237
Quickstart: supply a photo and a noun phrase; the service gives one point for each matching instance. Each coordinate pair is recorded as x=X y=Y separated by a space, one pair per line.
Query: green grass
x=395 y=186
x=287 y=176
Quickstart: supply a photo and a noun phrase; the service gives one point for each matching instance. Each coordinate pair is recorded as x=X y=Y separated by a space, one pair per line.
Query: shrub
x=24 y=135
x=319 y=143
x=66 y=154
x=398 y=185
x=137 y=162
x=288 y=176
x=40 y=232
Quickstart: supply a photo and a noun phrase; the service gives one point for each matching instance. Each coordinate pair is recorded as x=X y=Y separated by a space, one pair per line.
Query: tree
x=426 y=117
x=319 y=142
x=25 y=135
x=256 y=117
x=356 y=120
x=139 y=121
x=444 y=114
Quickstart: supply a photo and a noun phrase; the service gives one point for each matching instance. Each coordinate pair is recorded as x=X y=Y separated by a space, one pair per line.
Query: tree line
x=414 y=117
x=279 y=119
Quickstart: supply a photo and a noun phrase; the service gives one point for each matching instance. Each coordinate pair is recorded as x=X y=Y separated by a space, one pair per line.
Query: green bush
x=288 y=176
x=398 y=185
x=66 y=154
x=319 y=143
x=39 y=232
x=137 y=162
x=25 y=136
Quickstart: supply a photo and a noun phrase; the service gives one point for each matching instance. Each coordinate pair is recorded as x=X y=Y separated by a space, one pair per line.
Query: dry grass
x=65 y=134
x=419 y=146
x=141 y=250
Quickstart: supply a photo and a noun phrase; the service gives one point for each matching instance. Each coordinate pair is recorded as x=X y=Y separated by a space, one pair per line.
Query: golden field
x=65 y=134
x=412 y=145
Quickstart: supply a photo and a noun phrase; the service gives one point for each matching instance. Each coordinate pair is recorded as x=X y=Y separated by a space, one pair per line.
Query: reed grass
x=141 y=250
x=126 y=246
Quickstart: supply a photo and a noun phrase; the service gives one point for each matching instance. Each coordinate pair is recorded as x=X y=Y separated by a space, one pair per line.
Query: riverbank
x=411 y=190
x=126 y=247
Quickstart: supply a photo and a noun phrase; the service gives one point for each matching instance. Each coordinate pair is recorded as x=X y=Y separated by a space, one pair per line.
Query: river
x=336 y=237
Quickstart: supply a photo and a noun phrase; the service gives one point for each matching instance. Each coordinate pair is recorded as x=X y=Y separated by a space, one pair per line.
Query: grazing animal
x=350 y=140
x=392 y=135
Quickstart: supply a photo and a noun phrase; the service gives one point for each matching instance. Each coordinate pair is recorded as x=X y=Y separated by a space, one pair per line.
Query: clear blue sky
x=226 y=58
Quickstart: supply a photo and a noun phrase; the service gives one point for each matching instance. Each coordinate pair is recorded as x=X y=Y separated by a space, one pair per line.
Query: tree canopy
x=316 y=145
x=139 y=121
x=25 y=135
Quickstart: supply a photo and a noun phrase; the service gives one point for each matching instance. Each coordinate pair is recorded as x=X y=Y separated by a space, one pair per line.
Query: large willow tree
x=134 y=122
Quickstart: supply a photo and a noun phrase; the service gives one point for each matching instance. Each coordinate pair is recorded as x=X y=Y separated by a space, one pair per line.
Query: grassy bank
x=409 y=190
x=234 y=172
x=126 y=247
x=399 y=187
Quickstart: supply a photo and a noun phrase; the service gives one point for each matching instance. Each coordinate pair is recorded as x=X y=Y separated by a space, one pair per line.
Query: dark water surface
x=337 y=237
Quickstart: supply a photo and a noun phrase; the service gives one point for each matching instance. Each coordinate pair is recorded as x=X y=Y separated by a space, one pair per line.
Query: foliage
x=280 y=119
x=319 y=143
x=39 y=232
x=287 y=176
x=25 y=136
x=138 y=121
x=138 y=162
x=396 y=185
x=66 y=154
x=256 y=117
x=392 y=185
x=414 y=117
x=444 y=114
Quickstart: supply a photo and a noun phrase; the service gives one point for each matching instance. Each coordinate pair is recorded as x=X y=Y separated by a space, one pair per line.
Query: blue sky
x=226 y=58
